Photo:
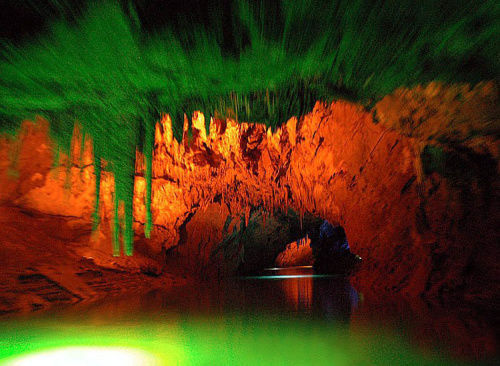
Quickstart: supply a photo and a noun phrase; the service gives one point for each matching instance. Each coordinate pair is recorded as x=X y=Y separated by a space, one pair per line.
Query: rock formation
x=414 y=182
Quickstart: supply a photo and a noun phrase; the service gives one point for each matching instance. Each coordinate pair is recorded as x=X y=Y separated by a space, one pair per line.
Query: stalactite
x=247 y=214
x=148 y=155
x=13 y=170
x=97 y=172
x=67 y=179
x=128 y=233
x=57 y=156
x=124 y=194
x=82 y=149
x=116 y=223
x=228 y=89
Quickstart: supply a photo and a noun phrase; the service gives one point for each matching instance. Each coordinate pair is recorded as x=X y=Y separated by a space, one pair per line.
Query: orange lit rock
x=417 y=231
x=199 y=237
x=25 y=161
x=297 y=253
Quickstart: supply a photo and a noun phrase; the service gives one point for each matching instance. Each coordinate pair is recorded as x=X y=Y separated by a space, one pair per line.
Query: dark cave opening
x=289 y=239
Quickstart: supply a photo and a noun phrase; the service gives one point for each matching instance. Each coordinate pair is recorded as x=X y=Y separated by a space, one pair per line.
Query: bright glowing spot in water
x=95 y=356
x=285 y=268
x=284 y=277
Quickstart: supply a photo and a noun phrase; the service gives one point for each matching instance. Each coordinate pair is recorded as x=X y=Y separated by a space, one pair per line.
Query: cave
x=249 y=182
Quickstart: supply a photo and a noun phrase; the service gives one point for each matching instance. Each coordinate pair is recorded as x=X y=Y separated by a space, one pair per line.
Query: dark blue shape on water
x=337 y=236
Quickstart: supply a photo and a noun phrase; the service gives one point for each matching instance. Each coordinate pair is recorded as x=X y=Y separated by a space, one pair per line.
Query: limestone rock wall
x=419 y=208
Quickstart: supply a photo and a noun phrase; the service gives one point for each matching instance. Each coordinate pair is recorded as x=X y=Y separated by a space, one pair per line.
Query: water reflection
x=296 y=292
x=280 y=305
x=332 y=297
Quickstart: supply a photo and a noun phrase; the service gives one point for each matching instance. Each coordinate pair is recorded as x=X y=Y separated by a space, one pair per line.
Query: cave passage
x=270 y=239
x=195 y=182
x=321 y=245
x=328 y=247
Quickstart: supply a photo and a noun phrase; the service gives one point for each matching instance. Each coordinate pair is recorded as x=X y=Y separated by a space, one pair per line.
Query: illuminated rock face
x=418 y=229
x=297 y=253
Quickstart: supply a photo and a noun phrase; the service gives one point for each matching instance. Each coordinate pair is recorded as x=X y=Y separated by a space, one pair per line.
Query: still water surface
x=280 y=317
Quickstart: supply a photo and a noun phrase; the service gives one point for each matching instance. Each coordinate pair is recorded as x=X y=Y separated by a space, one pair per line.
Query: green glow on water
x=210 y=341
x=84 y=356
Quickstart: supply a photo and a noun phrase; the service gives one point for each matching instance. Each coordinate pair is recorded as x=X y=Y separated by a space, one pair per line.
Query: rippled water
x=282 y=316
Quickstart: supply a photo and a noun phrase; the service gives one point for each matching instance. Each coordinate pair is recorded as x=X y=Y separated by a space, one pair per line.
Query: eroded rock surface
x=417 y=195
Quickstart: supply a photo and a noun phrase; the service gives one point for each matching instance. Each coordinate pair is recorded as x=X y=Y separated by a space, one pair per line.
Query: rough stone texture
x=24 y=161
x=46 y=261
x=297 y=253
x=199 y=236
x=422 y=227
